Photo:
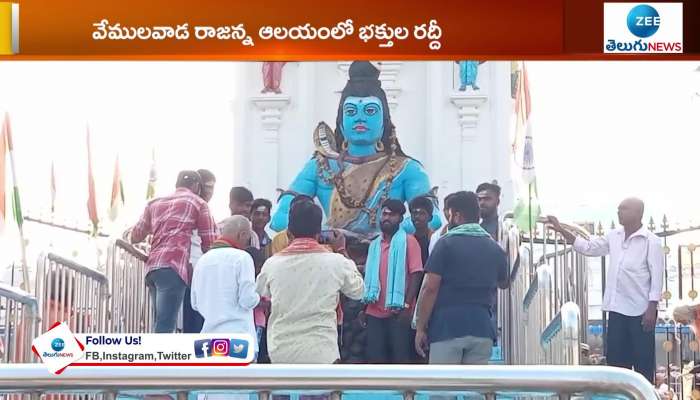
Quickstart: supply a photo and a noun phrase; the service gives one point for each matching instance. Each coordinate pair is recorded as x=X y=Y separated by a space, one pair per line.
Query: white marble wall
x=460 y=146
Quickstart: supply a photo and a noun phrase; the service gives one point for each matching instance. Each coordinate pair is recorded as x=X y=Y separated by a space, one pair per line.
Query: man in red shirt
x=171 y=220
x=392 y=281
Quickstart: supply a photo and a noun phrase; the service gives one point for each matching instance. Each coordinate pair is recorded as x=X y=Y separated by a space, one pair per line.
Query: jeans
x=168 y=291
x=466 y=350
x=192 y=321
x=262 y=357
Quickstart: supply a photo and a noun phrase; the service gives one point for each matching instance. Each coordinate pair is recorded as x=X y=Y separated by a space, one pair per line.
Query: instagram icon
x=220 y=347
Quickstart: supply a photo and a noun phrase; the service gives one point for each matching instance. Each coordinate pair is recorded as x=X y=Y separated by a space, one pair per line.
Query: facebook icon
x=202 y=348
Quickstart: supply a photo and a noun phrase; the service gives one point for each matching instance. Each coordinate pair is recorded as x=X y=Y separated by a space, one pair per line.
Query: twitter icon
x=238 y=348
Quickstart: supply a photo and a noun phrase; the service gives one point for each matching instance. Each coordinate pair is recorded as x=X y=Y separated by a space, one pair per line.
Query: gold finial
x=694 y=346
x=652 y=225
x=664 y=223
x=600 y=229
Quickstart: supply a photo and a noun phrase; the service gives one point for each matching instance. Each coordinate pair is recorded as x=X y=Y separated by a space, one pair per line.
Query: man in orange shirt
x=392 y=279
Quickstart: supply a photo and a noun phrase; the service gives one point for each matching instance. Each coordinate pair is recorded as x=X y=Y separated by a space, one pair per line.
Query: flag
x=53 y=189
x=16 y=204
x=92 y=199
x=3 y=171
x=527 y=208
x=152 y=177
x=117 y=199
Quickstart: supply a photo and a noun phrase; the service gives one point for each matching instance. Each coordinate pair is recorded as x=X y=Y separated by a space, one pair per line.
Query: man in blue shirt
x=462 y=275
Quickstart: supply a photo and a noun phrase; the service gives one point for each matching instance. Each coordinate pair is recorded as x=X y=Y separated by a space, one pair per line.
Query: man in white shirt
x=223 y=285
x=634 y=284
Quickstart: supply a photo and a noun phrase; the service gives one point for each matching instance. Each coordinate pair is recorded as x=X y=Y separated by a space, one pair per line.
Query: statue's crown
x=363 y=70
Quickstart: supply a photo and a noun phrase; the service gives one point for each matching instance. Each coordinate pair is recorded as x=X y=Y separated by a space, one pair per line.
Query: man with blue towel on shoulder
x=392 y=280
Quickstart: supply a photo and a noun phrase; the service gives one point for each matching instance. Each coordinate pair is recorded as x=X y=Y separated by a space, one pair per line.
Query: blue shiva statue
x=361 y=164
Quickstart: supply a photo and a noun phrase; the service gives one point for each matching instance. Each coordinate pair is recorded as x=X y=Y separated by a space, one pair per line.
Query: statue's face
x=363 y=120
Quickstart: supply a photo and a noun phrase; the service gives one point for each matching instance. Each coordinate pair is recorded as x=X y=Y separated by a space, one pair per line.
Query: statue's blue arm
x=304 y=183
x=416 y=183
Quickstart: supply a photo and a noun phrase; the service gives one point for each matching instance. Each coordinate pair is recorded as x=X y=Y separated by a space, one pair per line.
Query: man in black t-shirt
x=462 y=275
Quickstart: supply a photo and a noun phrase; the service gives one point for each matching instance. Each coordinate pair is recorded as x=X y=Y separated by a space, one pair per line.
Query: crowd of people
x=303 y=291
x=311 y=295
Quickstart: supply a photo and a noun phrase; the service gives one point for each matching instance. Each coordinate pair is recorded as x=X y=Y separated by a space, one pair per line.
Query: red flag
x=117 y=193
x=92 y=199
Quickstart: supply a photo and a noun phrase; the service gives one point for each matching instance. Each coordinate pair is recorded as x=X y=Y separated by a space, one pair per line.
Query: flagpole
x=17 y=209
x=529 y=223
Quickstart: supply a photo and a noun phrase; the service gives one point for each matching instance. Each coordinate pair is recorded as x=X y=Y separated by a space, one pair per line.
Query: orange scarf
x=303 y=246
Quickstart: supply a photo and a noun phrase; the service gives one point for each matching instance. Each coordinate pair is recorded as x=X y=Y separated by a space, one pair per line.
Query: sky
x=602 y=131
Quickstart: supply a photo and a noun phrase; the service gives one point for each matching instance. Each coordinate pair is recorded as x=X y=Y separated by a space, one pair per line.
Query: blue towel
x=396 y=272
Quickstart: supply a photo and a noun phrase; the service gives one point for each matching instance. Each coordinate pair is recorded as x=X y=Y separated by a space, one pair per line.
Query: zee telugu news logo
x=57 y=345
x=643 y=28
x=235 y=348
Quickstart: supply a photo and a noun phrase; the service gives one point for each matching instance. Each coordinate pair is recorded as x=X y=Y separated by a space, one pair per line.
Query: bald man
x=223 y=284
x=634 y=282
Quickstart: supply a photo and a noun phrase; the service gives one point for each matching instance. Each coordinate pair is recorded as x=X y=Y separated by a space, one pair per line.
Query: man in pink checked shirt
x=171 y=220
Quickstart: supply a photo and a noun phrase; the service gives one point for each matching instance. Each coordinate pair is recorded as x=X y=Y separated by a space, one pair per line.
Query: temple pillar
x=266 y=162
x=471 y=147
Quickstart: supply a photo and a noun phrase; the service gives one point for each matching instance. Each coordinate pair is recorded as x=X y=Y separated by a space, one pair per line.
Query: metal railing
x=131 y=305
x=509 y=239
x=561 y=338
x=547 y=297
x=411 y=381
x=19 y=314
x=70 y=292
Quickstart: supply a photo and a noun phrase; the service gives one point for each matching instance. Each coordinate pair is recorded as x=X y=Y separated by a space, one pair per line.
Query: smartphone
x=326 y=236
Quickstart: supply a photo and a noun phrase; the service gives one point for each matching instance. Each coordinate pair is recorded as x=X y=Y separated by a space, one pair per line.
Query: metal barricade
x=412 y=381
x=560 y=340
x=19 y=314
x=537 y=310
x=546 y=275
x=72 y=293
x=131 y=306
x=510 y=239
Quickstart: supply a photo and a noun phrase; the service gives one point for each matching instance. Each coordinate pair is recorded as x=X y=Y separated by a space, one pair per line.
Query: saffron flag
x=92 y=199
x=117 y=199
x=527 y=208
x=152 y=177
